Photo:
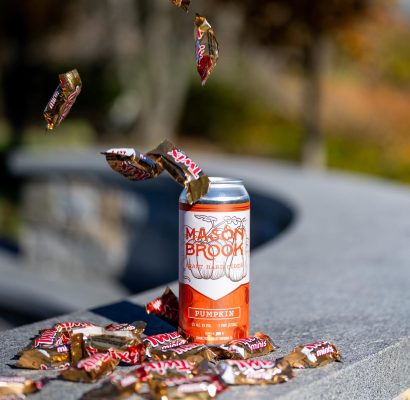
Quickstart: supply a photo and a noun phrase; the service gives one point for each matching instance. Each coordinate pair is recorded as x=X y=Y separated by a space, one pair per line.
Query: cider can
x=214 y=263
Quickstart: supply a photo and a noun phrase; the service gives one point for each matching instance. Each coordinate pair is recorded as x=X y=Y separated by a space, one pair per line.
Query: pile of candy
x=168 y=366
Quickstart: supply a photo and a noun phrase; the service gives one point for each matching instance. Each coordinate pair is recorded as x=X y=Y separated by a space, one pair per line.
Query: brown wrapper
x=186 y=351
x=57 y=358
x=131 y=164
x=167 y=369
x=241 y=349
x=206 y=48
x=49 y=339
x=124 y=349
x=91 y=369
x=18 y=385
x=254 y=372
x=201 y=387
x=313 y=355
x=118 y=386
x=165 y=306
x=136 y=166
x=77 y=350
x=63 y=98
x=182 y=168
x=184 y=4
x=163 y=341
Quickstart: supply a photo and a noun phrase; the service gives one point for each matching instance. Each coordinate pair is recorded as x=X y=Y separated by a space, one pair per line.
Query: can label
x=214 y=271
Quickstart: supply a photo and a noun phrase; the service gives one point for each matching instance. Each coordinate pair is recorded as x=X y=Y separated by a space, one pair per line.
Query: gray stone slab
x=340 y=272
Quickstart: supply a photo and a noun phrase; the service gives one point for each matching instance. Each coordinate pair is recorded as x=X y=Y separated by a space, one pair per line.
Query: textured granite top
x=340 y=272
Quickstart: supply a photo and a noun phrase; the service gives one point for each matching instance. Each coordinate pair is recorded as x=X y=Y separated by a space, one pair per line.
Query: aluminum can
x=214 y=263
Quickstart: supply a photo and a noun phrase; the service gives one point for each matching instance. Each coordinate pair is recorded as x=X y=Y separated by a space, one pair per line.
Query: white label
x=214 y=251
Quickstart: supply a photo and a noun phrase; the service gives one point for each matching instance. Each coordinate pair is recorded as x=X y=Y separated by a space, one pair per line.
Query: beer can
x=214 y=263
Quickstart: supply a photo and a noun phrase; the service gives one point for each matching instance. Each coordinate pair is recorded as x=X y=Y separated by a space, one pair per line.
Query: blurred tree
x=22 y=23
x=163 y=77
x=306 y=26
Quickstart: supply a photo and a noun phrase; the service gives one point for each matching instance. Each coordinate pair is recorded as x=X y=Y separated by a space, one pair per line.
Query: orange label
x=214 y=272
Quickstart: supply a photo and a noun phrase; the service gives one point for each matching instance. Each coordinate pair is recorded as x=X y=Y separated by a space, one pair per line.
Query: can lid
x=220 y=180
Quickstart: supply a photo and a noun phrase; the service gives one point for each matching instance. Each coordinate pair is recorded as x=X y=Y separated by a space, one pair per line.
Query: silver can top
x=222 y=191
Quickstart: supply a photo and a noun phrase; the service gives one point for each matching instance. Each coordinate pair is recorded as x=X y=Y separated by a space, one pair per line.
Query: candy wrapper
x=163 y=341
x=118 y=386
x=201 y=387
x=184 y=4
x=137 y=167
x=168 y=369
x=189 y=350
x=206 y=48
x=121 y=331
x=253 y=346
x=165 y=307
x=63 y=98
x=313 y=355
x=91 y=369
x=49 y=339
x=70 y=325
x=254 y=372
x=57 y=358
x=19 y=386
x=126 y=349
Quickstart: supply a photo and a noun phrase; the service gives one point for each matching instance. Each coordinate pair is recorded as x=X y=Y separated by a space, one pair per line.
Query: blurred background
x=319 y=84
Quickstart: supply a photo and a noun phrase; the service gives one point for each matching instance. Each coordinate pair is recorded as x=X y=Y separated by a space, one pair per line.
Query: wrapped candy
x=184 y=4
x=165 y=306
x=200 y=351
x=253 y=346
x=202 y=387
x=91 y=369
x=63 y=98
x=313 y=355
x=19 y=386
x=163 y=341
x=137 y=167
x=254 y=372
x=57 y=358
x=206 y=48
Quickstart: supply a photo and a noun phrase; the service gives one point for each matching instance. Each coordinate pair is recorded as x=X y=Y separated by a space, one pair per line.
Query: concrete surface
x=340 y=272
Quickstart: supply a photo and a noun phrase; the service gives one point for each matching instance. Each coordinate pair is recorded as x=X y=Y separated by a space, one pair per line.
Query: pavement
x=339 y=272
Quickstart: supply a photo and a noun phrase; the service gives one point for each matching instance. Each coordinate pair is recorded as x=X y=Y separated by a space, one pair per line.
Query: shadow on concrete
x=125 y=311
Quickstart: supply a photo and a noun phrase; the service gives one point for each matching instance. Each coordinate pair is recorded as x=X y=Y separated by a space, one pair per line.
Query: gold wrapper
x=254 y=372
x=58 y=358
x=182 y=168
x=198 y=388
x=77 y=350
x=184 y=4
x=119 y=386
x=18 y=385
x=163 y=341
x=63 y=98
x=137 y=167
x=193 y=351
x=166 y=306
x=132 y=165
x=241 y=349
x=91 y=369
x=167 y=369
x=206 y=48
x=313 y=355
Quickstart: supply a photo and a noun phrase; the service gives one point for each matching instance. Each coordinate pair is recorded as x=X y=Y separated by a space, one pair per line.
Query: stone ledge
x=340 y=273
